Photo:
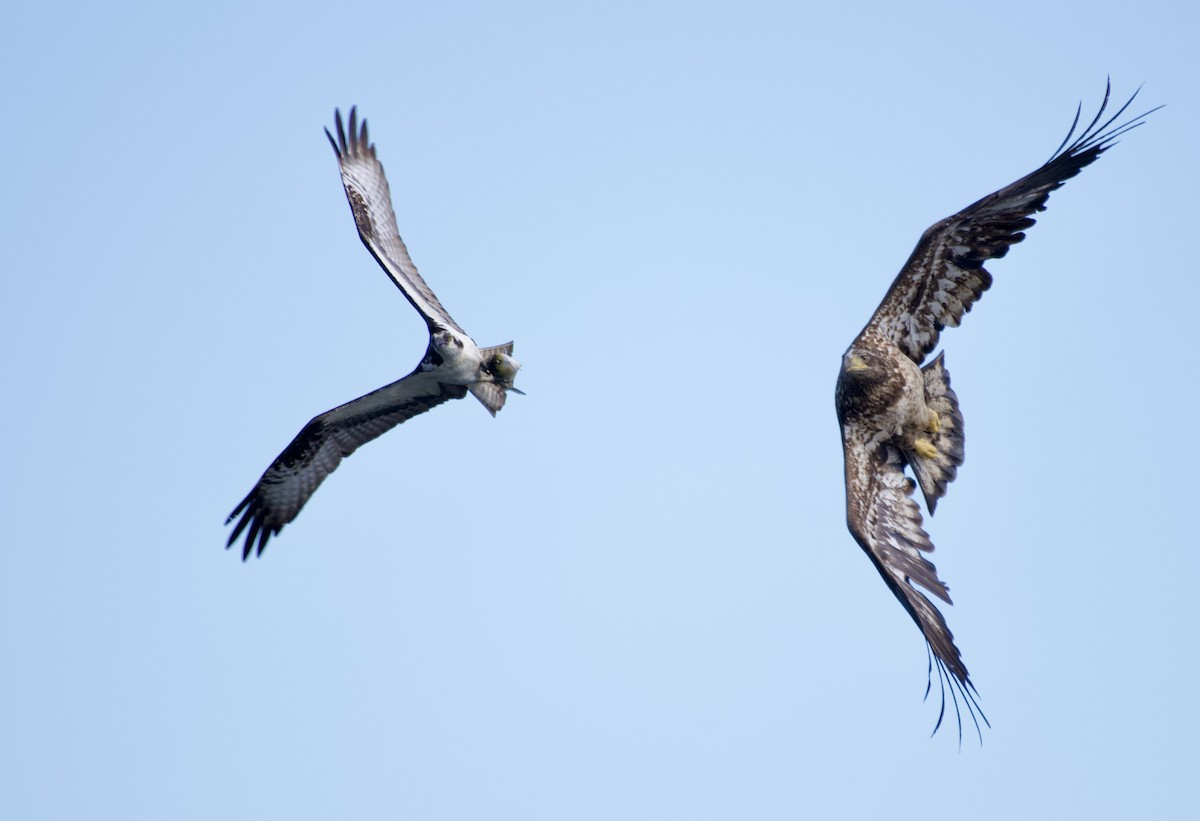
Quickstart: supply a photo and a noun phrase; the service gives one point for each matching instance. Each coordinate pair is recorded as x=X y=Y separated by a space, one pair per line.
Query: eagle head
x=859 y=365
x=864 y=384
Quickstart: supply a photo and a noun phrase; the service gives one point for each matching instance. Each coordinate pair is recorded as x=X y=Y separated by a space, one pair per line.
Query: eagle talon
x=925 y=449
x=935 y=422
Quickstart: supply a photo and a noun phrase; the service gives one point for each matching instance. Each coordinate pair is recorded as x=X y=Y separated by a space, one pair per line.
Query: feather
x=894 y=414
x=452 y=364
x=320 y=447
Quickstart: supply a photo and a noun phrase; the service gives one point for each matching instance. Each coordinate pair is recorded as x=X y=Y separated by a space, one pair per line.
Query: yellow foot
x=935 y=422
x=924 y=448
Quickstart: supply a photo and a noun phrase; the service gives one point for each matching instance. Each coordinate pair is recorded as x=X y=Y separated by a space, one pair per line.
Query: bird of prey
x=453 y=364
x=897 y=411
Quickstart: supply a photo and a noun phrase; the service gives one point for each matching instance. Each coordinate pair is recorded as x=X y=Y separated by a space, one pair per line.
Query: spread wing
x=321 y=446
x=945 y=274
x=371 y=203
x=886 y=523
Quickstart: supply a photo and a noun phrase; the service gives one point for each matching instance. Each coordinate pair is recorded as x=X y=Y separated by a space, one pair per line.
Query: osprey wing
x=321 y=446
x=886 y=523
x=945 y=275
x=371 y=203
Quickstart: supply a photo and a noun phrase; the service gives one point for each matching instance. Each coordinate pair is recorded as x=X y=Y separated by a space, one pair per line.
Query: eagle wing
x=944 y=276
x=321 y=446
x=886 y=523
x=371 y=203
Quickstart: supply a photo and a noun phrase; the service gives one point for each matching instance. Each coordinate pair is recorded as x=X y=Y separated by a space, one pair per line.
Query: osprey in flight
x=896 y=412
x=452 y=365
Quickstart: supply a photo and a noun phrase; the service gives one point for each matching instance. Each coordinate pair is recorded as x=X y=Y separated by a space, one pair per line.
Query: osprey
x=453 y=364
x=896 y=412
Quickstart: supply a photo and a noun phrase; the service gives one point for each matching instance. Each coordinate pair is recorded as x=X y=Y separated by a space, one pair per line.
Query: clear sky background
x=632 y=594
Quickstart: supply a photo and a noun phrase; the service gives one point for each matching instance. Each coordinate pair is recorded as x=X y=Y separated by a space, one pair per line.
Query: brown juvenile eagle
x=452 y=366
x=895 y=412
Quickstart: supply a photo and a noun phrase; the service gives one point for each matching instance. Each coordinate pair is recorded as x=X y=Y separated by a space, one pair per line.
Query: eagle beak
x=855 y=364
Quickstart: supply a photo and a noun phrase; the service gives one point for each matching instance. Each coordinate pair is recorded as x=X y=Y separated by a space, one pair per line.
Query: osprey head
x=445 y=342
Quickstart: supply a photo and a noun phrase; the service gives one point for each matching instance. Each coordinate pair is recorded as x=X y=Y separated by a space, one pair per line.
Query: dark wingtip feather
x=1099 y=136
x=238 y=509
x=351 y=136
x=1070 y=133
x=233 y=536
x=251 y=522
x=964 y=688
x=262 y=541
x=341 y=131
x=241 y=525
x=251 y=535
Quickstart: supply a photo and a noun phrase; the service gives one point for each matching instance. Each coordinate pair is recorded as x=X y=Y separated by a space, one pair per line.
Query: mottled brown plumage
x=894 y=413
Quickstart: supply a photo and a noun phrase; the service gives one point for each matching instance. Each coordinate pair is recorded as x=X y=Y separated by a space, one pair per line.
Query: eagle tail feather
x=936 y=473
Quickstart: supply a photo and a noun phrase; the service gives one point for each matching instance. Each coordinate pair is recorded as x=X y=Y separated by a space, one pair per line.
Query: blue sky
x=632 y=594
